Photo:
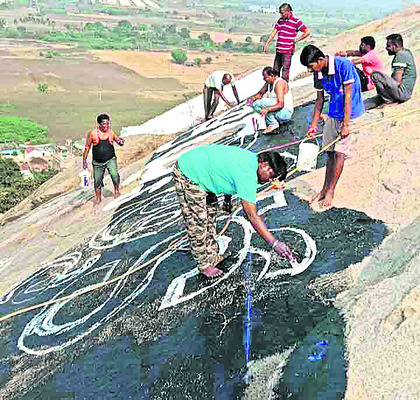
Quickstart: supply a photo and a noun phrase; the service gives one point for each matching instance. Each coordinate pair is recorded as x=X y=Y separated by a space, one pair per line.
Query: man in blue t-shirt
x=338 y=77
x=206 y=171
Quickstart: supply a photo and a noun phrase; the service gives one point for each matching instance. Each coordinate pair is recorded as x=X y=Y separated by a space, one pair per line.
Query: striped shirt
x=287 y=30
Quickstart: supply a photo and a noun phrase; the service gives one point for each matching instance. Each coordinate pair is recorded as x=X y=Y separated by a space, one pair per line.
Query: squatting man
x=206 y=171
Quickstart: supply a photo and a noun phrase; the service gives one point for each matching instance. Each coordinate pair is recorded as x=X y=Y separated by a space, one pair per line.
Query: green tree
x=179 y=56
x=205 y=37
x=228 y=44
x=209 y=60
x=184 y=33
x=248 y=40
x=9 y=171
x=198 y=61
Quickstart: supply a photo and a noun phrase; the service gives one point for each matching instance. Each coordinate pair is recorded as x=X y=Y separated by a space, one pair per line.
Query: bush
x=42 y=87
x=198 y=62
x=14 y=187
x=21 y=130
x=209 y=60
x=179 y=56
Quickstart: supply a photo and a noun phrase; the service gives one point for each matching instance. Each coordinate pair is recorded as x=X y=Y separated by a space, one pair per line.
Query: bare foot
x=117 y=193
x=384 y=105
x=320 y=196
x=211 y=272
x=97 y=200
x=329 y=196
x=270 y=128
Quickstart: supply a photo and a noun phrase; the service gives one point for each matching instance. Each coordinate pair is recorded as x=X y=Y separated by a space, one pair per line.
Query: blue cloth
x=340 y=72
x=222 y=169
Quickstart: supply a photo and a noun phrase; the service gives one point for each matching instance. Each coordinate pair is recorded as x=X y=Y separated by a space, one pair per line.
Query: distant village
x=37 y=158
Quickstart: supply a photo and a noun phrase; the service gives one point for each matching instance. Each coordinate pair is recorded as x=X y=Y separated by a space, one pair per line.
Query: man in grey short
x=398 y=87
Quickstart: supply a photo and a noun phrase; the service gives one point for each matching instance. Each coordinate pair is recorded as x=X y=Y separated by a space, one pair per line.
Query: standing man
x=103 y=155
x=286 y=28
x=367 y=56
x=338 y=77
x=214 y=87
x=279 y=106
x=398 y=87
x=202 y=173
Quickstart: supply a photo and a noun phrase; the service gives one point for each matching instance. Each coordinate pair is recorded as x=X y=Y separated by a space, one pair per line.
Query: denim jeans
x=274 y=117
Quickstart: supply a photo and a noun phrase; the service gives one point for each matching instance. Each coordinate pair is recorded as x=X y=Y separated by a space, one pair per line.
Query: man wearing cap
x=206 y=171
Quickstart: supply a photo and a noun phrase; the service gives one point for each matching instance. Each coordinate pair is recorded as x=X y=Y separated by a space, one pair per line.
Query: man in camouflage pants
x=202 y=173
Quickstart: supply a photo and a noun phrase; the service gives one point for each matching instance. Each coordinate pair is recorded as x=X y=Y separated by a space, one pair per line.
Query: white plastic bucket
x=85 y=178
x=307 y=156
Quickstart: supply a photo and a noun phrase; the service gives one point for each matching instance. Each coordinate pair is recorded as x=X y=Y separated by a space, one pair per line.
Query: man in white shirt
x=214 y=87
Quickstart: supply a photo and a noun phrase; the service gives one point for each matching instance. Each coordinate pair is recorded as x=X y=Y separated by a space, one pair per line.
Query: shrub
x=42 y=87
x=209 y=60
x=179 y=56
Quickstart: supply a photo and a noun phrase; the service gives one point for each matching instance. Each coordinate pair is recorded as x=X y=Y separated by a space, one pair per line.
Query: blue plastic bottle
x=321 y=351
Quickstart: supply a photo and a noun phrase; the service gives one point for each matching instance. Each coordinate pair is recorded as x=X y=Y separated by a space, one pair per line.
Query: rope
x=172 y=245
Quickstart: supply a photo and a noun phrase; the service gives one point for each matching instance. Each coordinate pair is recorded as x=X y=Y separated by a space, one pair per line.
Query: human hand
x=277 y=185
x=341 y=53
x=266 y=48
x=263 y=112
x=345 y=131
x=121 y=142
x=312 y=131
x=284 y=250
x=231 y=104
x=85 y=164
x=249 y=101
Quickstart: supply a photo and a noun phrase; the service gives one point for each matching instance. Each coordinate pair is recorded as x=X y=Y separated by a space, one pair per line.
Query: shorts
x=332 y=130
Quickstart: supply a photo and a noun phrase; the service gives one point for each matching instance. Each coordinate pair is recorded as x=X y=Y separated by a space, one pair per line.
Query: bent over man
x=213 y=90
x=204 y=172
x=103 y=155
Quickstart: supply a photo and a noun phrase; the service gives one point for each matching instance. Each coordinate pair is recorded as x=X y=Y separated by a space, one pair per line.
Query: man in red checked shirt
x=286 y=28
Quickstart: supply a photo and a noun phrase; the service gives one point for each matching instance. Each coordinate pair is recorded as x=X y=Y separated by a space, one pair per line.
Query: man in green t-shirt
x=398 y=87
x=206 y=171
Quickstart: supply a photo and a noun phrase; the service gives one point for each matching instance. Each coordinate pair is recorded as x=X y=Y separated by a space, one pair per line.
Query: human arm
x=279 y=89
x=349 y=53
x=397 y=75
x=87 y=148
x=319 y=104
x=347 y=110
x=118 y=140
x=261 y=93
x=235 y=92
x=229 y=103
x=261 y=228
x=270 y=38
x=358 y=60
x=305 y=33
